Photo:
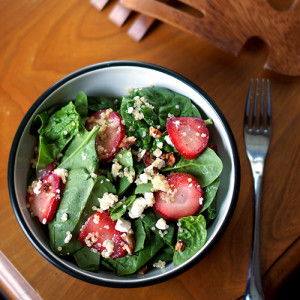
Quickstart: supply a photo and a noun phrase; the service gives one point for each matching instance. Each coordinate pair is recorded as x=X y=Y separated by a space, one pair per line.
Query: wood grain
x=42 y=41
x=229 y=24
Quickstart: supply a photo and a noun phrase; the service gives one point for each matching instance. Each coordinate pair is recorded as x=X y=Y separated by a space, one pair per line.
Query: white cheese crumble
x=107 y=201
x=168 y=140
x=141 y=203
x=37 y=186
x=123 y=225
x=160 y=145
x=109 y=245
x=157 y=153
x=162 y=224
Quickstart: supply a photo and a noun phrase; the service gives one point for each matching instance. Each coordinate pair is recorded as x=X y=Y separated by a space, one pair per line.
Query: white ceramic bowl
x=113 y=79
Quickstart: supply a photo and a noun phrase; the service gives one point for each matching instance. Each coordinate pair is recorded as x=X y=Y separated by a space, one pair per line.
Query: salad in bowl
x=123 y=174
x=125 y=184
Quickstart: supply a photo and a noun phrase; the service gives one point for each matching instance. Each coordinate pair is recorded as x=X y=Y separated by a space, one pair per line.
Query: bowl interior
x=114 y=79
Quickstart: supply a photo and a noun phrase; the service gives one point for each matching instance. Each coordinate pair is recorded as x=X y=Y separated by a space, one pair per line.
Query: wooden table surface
x=43 y=40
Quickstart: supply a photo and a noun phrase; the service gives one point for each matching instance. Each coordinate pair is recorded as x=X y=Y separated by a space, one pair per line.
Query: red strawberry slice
x=184 y=199
x=189 y=135
x=110 y=135
x=99 y=233
x=43 y=197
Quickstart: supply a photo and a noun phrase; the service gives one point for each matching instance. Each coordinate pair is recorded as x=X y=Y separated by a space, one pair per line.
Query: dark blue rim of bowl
x=134 y=282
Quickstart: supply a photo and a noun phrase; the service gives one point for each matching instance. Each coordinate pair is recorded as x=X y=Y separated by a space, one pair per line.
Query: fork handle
x=254 y=288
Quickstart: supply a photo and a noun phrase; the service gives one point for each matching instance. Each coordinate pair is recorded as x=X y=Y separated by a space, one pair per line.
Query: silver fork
x=257 y=136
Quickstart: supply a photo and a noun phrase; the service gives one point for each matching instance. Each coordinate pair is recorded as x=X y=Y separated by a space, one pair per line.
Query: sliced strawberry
x=110 y=135
x=99 y=231
x=189 y=135
x=185 y=197
x=43 y=197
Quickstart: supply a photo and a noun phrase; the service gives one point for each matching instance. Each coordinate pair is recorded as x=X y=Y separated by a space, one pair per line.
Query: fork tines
x=254 y=107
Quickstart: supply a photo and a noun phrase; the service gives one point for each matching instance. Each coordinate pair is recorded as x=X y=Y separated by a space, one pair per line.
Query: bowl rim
x=36 y=243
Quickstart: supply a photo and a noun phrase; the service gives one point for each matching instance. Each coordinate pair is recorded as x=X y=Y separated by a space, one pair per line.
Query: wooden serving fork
x=228 y=24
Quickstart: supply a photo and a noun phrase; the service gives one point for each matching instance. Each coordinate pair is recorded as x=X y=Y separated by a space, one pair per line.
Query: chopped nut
x=147 y=160
x=127 y=142
x=155 y=132
x=180 y=245
x=170 y=157
x=129 y=244
x=143 y=270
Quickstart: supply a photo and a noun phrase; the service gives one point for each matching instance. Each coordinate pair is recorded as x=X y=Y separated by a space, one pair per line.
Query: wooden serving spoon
x=228 y=24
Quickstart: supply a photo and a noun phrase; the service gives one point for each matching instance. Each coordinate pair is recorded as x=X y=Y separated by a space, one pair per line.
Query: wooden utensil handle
x=228 y=24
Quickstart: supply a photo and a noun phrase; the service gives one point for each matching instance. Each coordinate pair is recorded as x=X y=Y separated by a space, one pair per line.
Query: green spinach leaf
x=210 y=192
x=81 y=105
x=102 y=103
x=193 y=234
x=76 y=193
x=56 y=133
x=125 y=159
x=139 y=235
x=86 y=259
x=150 y=219
x=130 y=264
x=81 y=152
x=207 y=167
x=118 y=211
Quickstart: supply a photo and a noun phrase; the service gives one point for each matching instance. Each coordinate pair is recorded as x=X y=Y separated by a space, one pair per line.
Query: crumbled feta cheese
x=130 y=110
x=109 y=245
x=159 y=163
x=168 y=140
x=144 y=178
x=123 y=225
x=162 y=224
x=37 y=186
x=141 y=203
x=107 y=201
x=157 y=152
x=160 y=145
